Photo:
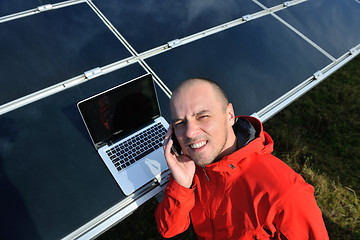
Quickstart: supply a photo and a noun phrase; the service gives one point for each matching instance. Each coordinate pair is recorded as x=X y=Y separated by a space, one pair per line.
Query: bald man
x=225 y=180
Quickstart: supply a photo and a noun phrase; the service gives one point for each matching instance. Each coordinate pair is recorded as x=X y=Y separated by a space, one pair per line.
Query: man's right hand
x=181 y=167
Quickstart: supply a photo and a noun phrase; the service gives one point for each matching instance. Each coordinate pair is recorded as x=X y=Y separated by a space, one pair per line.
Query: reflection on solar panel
x=265 y=53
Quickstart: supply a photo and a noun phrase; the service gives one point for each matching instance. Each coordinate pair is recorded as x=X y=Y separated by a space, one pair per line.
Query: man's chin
x=202 y=158
x=202 y=162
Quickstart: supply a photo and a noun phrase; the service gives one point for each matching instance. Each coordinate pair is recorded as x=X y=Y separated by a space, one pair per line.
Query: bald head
x=202 y=120
x=201 y=84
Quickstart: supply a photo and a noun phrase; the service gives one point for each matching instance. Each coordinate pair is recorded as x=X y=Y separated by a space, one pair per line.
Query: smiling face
x=202 y=122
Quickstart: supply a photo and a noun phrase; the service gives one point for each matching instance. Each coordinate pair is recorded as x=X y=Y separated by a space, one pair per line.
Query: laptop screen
x=120 y=110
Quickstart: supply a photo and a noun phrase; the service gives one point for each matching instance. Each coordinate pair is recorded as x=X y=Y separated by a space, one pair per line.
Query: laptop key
x=138 y=146
x=137 y=158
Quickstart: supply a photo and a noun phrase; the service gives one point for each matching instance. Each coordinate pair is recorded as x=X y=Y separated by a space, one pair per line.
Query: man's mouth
x=198 y=144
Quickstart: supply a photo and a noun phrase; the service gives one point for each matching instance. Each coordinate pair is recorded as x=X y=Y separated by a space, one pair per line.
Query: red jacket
x=249 y=194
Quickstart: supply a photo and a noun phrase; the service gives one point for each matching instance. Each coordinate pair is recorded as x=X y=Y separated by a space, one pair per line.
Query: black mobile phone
x=176 y=149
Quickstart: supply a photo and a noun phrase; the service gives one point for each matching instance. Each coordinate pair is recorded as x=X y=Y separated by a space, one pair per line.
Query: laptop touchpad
x=155 y=163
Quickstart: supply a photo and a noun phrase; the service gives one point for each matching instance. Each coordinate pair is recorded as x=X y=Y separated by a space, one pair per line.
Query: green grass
x=319 y=137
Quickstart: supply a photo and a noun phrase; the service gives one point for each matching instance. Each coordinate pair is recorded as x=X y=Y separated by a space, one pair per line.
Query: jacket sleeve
x=173 y=212
x=301 y=217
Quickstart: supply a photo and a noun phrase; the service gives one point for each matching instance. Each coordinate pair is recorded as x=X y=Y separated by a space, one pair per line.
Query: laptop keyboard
x=135 y=148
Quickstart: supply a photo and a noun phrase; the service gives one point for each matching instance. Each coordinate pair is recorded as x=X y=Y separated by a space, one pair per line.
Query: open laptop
x=127 y=130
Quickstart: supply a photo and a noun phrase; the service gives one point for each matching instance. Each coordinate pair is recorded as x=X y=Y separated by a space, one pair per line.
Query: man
x=226 y=180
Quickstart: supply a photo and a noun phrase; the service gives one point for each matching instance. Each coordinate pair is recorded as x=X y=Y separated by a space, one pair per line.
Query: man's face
x=202 y=123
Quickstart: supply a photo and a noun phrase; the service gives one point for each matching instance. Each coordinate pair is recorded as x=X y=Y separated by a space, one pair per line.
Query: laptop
x=127 y=129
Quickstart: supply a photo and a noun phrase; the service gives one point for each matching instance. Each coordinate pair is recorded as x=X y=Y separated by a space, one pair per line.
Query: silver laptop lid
x=121 y=110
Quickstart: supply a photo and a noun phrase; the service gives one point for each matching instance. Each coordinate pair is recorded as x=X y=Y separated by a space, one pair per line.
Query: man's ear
x=231 y=114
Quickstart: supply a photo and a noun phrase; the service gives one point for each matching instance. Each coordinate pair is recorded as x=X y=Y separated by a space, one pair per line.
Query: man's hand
x=181 y=167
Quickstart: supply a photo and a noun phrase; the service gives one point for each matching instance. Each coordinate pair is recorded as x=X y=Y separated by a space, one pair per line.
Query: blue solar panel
x=271 y=3
x=333 y=25
x=48 y=166
x=12 y=7
x=44 y=49
x=41 y=176
x=148 y=24
x=254 y=65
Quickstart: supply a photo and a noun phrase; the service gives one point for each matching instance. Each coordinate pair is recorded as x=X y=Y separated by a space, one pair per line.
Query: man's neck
x=229 y=150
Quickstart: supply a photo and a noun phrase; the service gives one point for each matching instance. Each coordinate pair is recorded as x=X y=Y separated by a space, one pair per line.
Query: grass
x=319 y=137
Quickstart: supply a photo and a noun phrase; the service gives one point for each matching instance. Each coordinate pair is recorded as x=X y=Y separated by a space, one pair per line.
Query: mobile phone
x=176 y=149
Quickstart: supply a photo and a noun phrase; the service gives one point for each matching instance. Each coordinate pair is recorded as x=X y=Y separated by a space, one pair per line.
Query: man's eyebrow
x=205 y=111
x=176 y=120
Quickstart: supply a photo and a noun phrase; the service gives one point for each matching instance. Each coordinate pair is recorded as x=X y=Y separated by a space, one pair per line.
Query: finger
x=167 y=147
x=170 y=157
x=168 y=135
x=170 y=130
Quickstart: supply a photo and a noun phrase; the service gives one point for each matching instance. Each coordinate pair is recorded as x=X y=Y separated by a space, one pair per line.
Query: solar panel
x=37 y=174
x=271 y=3
x=265 y=53
x=148 y=24
x=333 y=25
x=254 y=65
x=44 y=49
x=14 y=7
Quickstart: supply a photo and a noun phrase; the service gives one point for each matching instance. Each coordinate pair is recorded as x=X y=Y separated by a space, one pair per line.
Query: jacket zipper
x=207 y=178
x=210 y=207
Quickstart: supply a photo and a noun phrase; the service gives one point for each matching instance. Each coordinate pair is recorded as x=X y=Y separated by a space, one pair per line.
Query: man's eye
x=177 y=124
x=204 y=116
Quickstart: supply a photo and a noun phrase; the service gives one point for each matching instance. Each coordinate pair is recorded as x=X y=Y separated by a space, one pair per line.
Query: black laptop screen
x=120 y=110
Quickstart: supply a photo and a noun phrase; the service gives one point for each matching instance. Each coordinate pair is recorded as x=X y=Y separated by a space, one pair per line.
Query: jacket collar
x=256 y=141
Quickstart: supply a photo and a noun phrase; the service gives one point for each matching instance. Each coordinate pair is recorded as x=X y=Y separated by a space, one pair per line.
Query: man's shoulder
x=272 y=173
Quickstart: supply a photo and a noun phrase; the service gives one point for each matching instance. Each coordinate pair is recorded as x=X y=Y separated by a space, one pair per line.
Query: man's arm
x=301 y=217
x=181 y=167
x=173 y=213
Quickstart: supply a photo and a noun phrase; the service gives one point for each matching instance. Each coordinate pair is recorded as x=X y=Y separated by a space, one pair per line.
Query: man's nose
x=191 y=129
